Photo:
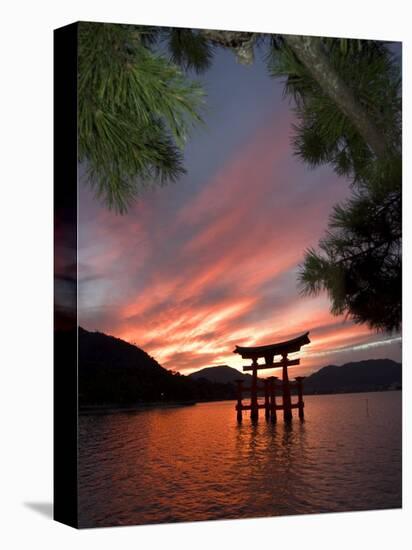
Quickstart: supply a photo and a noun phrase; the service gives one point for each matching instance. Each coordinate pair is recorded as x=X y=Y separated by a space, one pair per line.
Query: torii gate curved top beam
x=281 y=348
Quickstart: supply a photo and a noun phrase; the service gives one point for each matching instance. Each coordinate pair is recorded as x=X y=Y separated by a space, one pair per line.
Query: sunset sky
x=199 y=266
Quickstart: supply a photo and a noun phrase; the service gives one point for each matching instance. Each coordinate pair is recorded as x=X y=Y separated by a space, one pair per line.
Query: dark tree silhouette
x=359 y=259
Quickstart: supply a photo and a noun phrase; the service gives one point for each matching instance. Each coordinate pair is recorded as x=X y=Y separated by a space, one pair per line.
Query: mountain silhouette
x=369 y=375
x=114 y=373
x=222 y=374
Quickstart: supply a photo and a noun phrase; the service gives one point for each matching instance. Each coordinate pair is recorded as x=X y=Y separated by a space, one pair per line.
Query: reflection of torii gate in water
x=271 y=383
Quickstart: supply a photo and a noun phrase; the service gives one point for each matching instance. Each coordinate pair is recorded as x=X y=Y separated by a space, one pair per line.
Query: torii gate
x=271 y=385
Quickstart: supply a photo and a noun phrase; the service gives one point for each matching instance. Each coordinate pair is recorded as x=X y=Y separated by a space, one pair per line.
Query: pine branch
x=135 y=112
x=310 y=52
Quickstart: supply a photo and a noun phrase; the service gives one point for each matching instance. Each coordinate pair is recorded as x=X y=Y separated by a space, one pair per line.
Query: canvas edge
x=65 y=383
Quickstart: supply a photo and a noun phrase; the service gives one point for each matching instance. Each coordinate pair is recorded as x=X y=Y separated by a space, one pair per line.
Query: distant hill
x=223 y=374
x=114 y=372
x=370 y=375
x=98 y=349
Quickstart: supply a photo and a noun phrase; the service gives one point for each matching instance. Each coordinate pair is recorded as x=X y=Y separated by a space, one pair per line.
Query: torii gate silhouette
x=271 y=383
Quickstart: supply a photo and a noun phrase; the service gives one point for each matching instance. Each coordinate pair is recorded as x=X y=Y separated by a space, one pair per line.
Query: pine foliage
x=135 y=111
x=358 y=262
x=189 y=49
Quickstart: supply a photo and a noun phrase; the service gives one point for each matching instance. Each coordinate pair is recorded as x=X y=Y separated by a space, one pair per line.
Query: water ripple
x=197 y=463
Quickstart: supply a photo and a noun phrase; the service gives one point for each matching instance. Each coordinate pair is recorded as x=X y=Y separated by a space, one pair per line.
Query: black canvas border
x=65 y=383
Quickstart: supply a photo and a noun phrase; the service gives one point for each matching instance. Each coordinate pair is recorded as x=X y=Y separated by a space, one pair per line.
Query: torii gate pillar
x=287 y=402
